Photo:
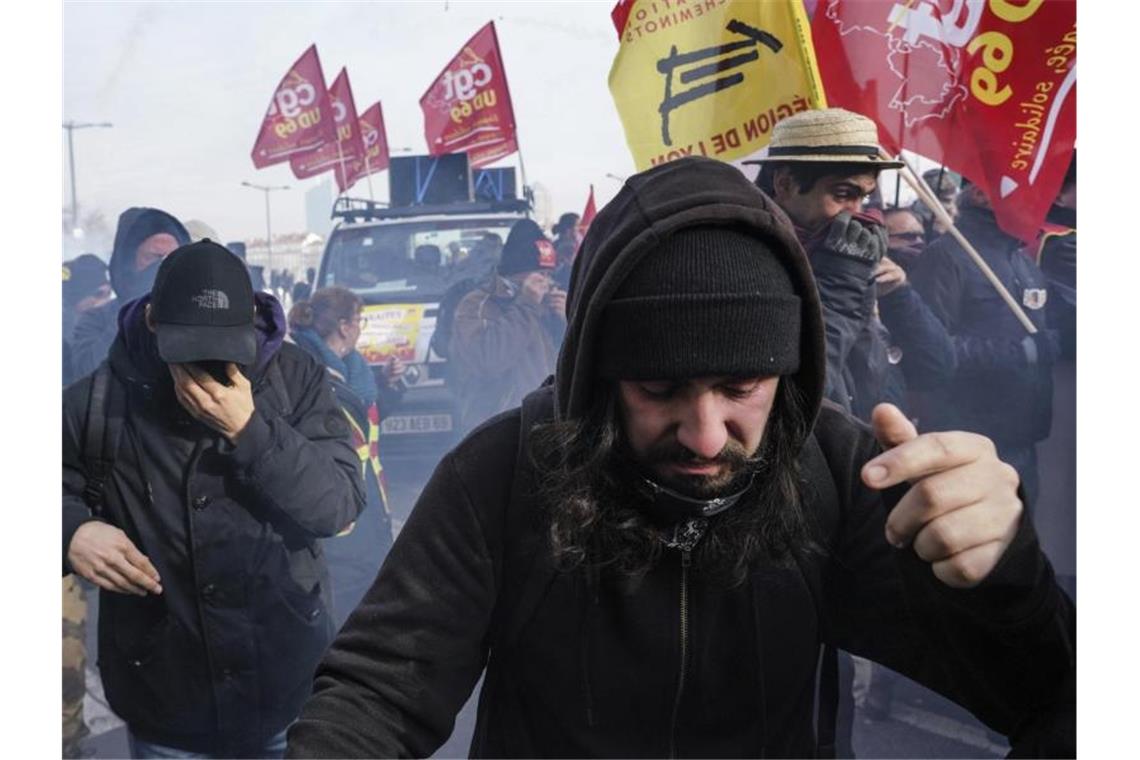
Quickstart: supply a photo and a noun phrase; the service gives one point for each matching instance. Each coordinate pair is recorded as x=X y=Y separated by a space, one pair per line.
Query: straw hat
x=831 y=135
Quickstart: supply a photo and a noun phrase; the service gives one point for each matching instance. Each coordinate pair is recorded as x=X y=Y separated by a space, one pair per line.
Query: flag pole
x=934 y=204
x=368 y=175
x=522 y=166
x=343 y=173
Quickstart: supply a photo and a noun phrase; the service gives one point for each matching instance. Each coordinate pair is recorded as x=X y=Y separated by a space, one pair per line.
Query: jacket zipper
x=686 y=560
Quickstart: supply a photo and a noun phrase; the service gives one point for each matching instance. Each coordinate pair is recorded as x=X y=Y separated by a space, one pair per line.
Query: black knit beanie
x=82 y=277
x=526 y=250
x=708 y=301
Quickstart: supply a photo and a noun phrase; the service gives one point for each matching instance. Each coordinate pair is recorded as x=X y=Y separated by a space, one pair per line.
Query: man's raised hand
x=225 y=408
x=962 y=509
x=104 y=555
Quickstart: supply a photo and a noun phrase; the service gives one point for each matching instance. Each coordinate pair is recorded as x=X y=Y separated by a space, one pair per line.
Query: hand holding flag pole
x=927 y=196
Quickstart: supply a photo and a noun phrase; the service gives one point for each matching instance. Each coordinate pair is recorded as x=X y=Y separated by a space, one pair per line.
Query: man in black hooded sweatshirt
x=143 y=238
x=646 y=558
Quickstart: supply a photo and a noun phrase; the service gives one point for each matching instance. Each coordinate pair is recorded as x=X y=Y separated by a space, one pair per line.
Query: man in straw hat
x=647 y=555
x=819 y=168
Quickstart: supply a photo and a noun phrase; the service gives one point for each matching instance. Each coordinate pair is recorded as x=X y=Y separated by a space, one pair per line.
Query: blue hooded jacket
x=95 y=331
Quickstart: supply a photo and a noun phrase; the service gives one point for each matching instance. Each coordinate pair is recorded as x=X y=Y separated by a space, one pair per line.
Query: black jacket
x=673 y=662
x=95 y=330
x=996 y=390
x=1057 y=257
x=859 y=373
x=927 y=359
x=223 y=658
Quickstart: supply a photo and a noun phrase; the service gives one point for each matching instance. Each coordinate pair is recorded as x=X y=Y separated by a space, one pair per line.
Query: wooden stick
x=934 y=204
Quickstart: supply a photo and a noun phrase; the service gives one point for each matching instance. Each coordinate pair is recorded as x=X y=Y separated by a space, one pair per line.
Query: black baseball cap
x=202 y=305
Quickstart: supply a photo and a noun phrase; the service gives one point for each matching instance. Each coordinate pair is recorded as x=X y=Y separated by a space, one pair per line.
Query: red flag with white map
x=988 y=89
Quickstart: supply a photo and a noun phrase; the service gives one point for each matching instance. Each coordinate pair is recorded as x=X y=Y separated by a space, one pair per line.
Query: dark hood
x=650 y=206
x=135 y=226
x=135 y=351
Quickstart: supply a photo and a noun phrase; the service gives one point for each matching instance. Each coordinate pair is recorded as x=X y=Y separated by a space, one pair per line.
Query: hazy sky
x=186 y=86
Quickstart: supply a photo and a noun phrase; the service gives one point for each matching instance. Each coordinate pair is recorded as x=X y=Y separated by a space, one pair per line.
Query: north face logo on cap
x=211 y=299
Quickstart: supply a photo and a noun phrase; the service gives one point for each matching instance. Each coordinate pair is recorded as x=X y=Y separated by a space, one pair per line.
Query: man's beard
x=737 y=468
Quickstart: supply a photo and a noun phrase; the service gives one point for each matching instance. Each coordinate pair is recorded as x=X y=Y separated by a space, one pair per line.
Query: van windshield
x=414 y=260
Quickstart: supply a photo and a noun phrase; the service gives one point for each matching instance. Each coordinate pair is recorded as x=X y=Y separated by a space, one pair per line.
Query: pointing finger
x=891 y=426
x=925 y=455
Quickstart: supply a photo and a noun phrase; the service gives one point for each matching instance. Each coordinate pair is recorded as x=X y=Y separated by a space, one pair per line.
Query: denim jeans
x=274 y=747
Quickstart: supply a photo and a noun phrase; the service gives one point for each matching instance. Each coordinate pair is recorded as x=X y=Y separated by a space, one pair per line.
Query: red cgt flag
x=468 y=106
x=375 y=146
x=298 y=117
x=987 y=89
x=339 y=154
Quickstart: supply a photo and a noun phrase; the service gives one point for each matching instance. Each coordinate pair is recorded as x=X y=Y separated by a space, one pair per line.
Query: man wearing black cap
x=646 y=557
x=144 y=236
x=506 y=332
x=201 y=462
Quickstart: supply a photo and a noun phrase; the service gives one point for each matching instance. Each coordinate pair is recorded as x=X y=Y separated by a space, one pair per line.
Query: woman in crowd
x=328 y=326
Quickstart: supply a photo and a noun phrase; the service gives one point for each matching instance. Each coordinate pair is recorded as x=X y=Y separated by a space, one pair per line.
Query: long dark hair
x=598 y=519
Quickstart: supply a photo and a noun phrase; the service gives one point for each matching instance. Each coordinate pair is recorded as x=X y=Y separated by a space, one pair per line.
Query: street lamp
x=267 y=189
x=71 y=126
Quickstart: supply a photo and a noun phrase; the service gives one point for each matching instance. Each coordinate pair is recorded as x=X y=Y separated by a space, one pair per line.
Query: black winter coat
x=996 y=390
x=675 y=665
x=223 y=658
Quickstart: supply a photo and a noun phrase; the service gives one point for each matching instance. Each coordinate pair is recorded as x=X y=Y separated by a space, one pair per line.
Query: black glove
x=1042 y=348
x=855 y=238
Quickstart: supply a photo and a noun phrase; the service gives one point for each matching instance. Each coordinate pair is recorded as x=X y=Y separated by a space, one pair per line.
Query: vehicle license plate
x=416 y=423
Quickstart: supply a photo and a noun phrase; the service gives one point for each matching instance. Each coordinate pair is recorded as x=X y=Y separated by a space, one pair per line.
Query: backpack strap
x=525 y=577
x=106 y=408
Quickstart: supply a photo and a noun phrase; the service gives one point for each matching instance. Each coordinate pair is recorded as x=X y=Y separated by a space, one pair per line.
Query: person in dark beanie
x=506 y=330
x=202 y=461
x=143 y=238
x=644 y=559
x=945 y=184
x=85 y=287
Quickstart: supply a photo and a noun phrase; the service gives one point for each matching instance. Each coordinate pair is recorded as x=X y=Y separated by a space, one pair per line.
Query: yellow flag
x=711 y=77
